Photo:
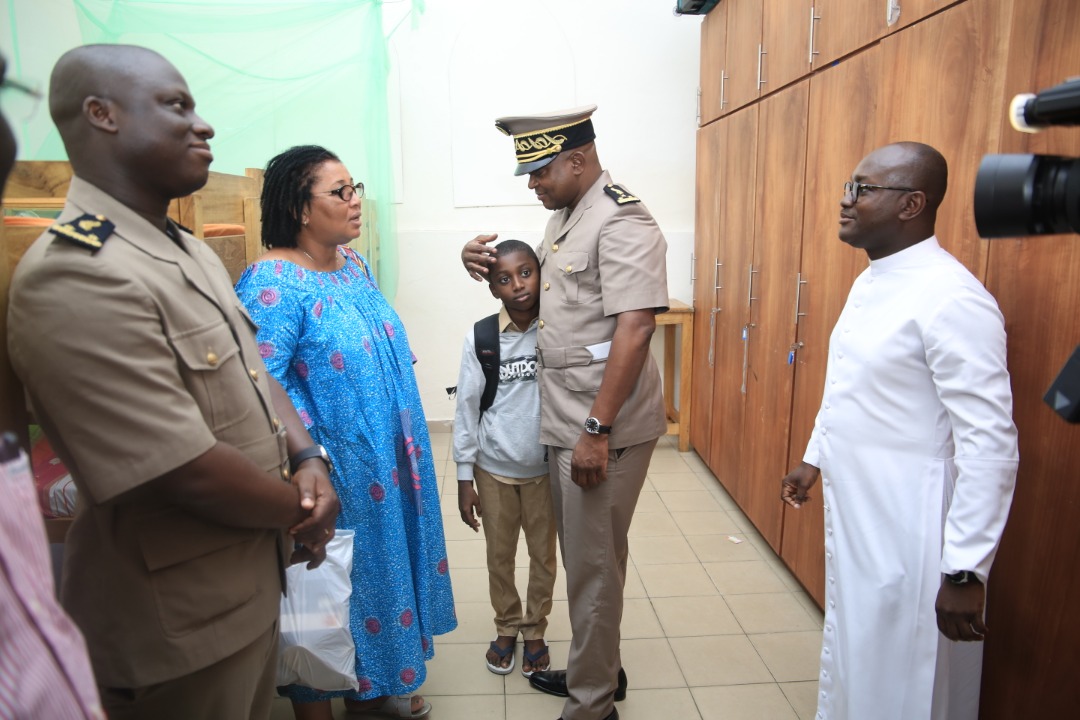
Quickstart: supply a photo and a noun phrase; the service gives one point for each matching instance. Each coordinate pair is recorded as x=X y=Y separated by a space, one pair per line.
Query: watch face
x=592 y=426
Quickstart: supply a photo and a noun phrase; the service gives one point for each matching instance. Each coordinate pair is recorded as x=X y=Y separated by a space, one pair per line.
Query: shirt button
x=547 y=286
x=540 y=324
x=555 y=247
x=569 y=268
x=277 y=424
x=212 y=358
x=254 y=374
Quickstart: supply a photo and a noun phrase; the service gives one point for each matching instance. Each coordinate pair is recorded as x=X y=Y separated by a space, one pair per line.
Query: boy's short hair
x=510 y=247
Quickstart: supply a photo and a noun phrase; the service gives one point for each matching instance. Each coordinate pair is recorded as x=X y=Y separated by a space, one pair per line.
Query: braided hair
x=286 y=190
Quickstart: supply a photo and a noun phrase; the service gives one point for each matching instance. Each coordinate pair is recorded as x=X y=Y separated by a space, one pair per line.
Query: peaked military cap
x=539 y=138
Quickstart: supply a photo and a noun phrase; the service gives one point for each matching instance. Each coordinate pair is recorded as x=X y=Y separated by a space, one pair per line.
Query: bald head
x=104 y=71
x=915 y=165
x=128 y=122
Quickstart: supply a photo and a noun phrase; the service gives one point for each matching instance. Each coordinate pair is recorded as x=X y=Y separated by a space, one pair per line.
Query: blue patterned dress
x=341 y=353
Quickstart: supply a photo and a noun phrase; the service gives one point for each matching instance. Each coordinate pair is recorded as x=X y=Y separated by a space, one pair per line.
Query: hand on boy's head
x=476 y=256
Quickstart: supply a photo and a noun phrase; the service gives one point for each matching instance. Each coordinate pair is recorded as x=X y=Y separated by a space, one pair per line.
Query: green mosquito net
x=267 y=74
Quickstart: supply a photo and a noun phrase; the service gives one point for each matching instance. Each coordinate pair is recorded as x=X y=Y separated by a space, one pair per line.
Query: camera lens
x=1027 y=195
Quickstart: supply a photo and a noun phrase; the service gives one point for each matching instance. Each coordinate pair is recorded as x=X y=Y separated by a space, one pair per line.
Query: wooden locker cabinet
x=942 y=73
x=770 y=340
x=707 y=223
x=842 y=27
x=713 y=61
x=737 y=191
x=785 y=35
x=744 y=49
x=1033 y=647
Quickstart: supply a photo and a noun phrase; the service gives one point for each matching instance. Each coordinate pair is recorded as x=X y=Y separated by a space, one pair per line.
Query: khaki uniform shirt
x=137 y=359
x=598 y=260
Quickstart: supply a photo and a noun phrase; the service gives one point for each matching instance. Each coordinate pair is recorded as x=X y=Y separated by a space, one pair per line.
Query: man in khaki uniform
x=143 y=370
x=603 y=279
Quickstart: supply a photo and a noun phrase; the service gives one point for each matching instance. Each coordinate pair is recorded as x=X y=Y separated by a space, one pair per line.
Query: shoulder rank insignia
x=619 y=195
x=87 y=230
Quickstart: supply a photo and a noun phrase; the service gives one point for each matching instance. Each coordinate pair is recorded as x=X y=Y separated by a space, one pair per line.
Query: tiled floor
x=712 y=629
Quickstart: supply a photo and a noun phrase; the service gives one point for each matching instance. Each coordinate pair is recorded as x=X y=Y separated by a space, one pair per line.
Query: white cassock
x=918 y=458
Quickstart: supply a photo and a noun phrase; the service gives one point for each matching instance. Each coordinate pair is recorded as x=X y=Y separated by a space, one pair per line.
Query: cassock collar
x=917 y=254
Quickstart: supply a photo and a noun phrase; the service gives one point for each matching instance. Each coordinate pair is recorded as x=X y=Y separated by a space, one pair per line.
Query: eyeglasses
x=346 y=192
x=853 y=190
x=20 y=101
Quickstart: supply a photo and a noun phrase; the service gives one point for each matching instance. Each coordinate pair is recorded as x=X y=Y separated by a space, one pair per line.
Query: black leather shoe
x=613 y=716
x=553 y=682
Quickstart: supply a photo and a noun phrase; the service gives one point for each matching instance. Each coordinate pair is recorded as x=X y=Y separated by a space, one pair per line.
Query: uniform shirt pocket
x=187 y=559
x=210 y=368
x=584 y=378
x=573 y=265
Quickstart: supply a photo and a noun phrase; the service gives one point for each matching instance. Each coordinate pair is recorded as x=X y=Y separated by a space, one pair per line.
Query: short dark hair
x=286 y=190
x=512 y=247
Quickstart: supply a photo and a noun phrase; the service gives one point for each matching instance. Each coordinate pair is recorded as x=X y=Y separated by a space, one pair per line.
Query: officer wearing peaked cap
x=603 y=279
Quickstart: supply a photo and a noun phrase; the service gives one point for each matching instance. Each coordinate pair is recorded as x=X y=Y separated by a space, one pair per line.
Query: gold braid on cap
x=536 y=144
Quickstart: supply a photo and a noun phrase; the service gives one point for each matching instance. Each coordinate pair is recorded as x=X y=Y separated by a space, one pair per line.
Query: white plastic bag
x=316 y=647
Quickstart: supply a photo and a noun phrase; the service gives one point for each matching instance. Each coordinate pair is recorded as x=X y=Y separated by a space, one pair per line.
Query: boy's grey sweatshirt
x=506 y=440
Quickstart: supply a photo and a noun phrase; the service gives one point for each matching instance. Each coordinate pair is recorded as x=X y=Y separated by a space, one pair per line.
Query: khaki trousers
x=509 y=509
x=592 y=528
x=240 y=687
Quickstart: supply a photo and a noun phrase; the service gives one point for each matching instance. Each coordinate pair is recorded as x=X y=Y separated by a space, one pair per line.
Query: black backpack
x=486 y=338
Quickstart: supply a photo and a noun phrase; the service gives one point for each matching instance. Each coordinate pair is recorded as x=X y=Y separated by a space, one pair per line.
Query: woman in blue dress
x=339 y=349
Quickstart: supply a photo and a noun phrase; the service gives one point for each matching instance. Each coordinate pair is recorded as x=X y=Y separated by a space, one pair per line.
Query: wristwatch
x=315 y=451
x=962 y=578
x=593 y=427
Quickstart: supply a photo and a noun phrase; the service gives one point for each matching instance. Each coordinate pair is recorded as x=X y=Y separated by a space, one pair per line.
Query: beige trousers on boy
x=507 y=510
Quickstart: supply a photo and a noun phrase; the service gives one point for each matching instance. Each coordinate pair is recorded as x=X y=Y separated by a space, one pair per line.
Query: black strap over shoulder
x=486 y=338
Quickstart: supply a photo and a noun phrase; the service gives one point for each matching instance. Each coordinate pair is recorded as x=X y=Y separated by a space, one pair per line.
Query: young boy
x=501 y=448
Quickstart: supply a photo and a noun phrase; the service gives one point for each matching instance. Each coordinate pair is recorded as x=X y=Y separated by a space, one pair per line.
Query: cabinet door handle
x=760 y=63
x=813 y=19
x=723 y=78
x=693 y=277
x=750 y=287
x=799 y=282
x=745 y=355
x=712 y=315
x=712 y=336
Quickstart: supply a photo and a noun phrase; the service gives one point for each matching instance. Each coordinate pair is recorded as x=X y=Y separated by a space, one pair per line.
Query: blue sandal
x=533 y=658
x=502 y=653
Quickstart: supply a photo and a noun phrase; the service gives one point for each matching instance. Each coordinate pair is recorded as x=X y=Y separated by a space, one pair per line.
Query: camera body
x=1019 y=195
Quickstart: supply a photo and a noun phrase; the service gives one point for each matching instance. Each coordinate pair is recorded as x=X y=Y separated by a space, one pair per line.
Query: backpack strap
x=486 y=338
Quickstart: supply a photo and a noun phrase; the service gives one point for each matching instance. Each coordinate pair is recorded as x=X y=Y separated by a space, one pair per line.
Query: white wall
x=470 y=61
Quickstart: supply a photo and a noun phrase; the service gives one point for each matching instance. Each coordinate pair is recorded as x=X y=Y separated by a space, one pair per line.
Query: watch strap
x=962 y=578
x=593 y=427
x=315 y=451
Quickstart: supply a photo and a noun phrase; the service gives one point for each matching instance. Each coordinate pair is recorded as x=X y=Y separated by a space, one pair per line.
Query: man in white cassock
x=916 y=449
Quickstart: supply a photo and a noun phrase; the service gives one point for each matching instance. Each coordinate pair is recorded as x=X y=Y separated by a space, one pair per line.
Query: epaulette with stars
x=87 y=230
x=619 y=194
